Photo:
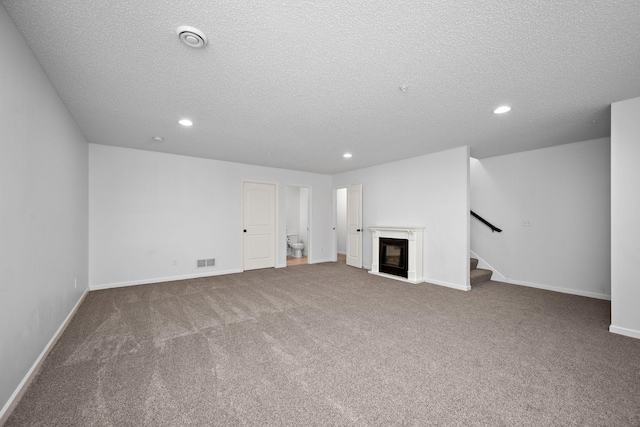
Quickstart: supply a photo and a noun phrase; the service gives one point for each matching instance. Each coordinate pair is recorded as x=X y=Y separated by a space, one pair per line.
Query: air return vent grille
x=210 y=262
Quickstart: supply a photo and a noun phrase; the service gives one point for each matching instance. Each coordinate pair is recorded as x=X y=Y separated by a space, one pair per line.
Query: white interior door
x=259 y=222
x=354 y=225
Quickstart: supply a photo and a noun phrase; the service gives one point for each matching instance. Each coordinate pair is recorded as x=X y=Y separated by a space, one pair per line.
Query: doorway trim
x=334 y=223
x=309 y=222
x=334 y=220
x=355 y=226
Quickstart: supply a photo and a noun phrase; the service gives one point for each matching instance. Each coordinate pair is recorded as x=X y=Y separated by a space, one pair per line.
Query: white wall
x=304 y=219
x=429 y=191
x=43 y=210
x=341 y=220
x=564 y=192
x=293 y=210
x=625 y=217
x=147 y=209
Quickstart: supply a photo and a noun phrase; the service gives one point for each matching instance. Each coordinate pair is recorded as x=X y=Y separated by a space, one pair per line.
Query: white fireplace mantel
x=415 y=237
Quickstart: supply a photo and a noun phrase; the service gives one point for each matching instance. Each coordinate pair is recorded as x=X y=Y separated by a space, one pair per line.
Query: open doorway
x=341 y=225
x=297 y=224
x=348 y=230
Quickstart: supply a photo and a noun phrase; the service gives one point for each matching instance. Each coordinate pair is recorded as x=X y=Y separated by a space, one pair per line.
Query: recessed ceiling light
x=192 y=37
x=158 y=138
x=185 y=122
x=501 y=110
x=404 y=88
x=346 y=155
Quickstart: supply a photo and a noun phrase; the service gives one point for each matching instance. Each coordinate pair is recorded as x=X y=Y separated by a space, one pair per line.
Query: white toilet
x=295 y=245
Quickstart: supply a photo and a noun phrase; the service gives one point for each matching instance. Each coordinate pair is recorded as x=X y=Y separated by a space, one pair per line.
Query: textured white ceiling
x=295 y=84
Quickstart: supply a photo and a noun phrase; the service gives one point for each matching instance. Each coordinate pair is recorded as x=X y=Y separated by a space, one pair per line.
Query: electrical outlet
x=175 y=262
x=526 y=223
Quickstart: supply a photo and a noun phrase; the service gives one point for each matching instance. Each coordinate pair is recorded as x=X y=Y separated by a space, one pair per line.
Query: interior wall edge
x=632 y=333
x=33 y=371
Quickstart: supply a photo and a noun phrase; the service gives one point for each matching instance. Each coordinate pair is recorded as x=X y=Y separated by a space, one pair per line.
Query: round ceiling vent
x=192 y=37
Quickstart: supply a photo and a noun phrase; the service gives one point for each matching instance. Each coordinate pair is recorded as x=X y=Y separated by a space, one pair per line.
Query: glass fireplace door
x=393 y=256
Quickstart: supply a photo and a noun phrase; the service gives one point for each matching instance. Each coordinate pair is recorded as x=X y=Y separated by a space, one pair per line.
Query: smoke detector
x=192 y=37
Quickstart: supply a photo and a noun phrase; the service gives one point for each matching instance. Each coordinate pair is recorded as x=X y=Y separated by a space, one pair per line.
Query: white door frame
x=356 y=230
x=334 y=224
x=276 y=218
x=309 y=228
x=334 y=205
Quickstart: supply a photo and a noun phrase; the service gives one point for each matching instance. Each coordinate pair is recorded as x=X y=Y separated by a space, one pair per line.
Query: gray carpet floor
x=330 y=345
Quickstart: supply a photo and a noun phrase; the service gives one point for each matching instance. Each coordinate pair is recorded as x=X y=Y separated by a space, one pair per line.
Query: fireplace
x=397 y=253
x=393 y=257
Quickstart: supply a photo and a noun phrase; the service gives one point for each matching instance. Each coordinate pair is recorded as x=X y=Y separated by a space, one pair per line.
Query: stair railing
x=485 y=222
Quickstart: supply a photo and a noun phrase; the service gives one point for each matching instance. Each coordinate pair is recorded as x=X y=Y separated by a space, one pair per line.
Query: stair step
x=474 y=263
x=479 y=275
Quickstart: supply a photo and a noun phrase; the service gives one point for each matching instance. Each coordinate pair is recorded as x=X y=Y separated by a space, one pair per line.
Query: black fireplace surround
x=394 y=257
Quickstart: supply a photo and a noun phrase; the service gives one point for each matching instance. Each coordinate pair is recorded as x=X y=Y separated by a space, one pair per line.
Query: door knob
x=245 y=231
x=358 y=230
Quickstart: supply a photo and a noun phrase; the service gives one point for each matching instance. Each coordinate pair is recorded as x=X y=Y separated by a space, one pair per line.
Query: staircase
x=478 y=275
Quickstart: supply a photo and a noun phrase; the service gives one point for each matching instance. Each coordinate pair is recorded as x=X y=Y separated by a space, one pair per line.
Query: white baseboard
x=624 y=331
x=448 y=285
x=399 y=278
x=558 y=289
x=31 y=374
x=502 y=278
x=161 y=279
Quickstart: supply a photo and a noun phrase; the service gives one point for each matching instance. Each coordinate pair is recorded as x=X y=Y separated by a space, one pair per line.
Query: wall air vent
x=209 y=262
x=192 y=37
